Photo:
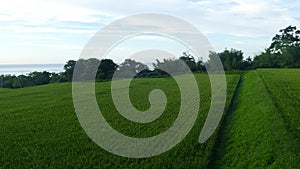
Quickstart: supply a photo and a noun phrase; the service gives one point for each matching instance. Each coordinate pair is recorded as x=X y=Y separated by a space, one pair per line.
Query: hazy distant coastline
x=18 y=69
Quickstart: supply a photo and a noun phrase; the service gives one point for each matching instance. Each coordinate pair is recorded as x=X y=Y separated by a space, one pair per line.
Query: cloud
x=26 y=29
x=53 y=46
x=232 y=17
x=246 y=24
x=36 y=37
x=236 y=17
x=40 y=12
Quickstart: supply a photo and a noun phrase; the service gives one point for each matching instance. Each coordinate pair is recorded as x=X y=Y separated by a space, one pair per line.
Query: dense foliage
x=231 y=60
x=284 y=51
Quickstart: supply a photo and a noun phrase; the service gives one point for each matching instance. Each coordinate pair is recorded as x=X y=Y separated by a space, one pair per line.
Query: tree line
x=284 y=52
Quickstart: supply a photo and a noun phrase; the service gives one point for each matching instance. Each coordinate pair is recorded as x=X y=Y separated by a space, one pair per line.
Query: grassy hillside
x=254 y=133
x=39 y=127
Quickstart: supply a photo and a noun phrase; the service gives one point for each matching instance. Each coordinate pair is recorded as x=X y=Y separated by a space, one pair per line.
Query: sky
x=41 y=32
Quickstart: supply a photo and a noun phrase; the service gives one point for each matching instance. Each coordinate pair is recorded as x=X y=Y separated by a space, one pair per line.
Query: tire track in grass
x=284 y=102
x=253 y=134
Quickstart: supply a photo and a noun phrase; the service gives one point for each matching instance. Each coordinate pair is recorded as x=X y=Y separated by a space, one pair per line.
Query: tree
x=69 y=69
x=89 y=70
x=106 y=69
x=22 y=81
x=288 y=37
x=246 y=64
x=284 y=51
x=129 y=68
x=291 y=57
x=172 y=65
x=39 y=78
x=231 y=59
x=189 y=61
x=7 y=81
x=57 y=77
x=201 y=66
x=86 y=69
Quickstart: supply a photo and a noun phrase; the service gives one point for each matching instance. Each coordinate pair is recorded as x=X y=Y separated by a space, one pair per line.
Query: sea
x=25 y=69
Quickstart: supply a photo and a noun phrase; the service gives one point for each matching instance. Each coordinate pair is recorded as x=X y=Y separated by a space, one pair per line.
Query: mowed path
x=254 y=134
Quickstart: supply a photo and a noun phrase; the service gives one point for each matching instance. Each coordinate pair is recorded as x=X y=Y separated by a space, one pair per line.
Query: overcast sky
x=36 y=31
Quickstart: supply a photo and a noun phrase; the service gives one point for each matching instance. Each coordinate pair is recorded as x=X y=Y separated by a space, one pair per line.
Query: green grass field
x=39 y=127
x=284 y=86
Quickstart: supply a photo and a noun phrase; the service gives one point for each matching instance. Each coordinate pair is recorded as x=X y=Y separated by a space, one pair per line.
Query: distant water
x=25 y=69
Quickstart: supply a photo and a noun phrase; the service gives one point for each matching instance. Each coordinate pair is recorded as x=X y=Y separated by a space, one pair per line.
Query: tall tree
x=288 y=37
x=106 y=69
x=284 y=51
x=69 y=69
